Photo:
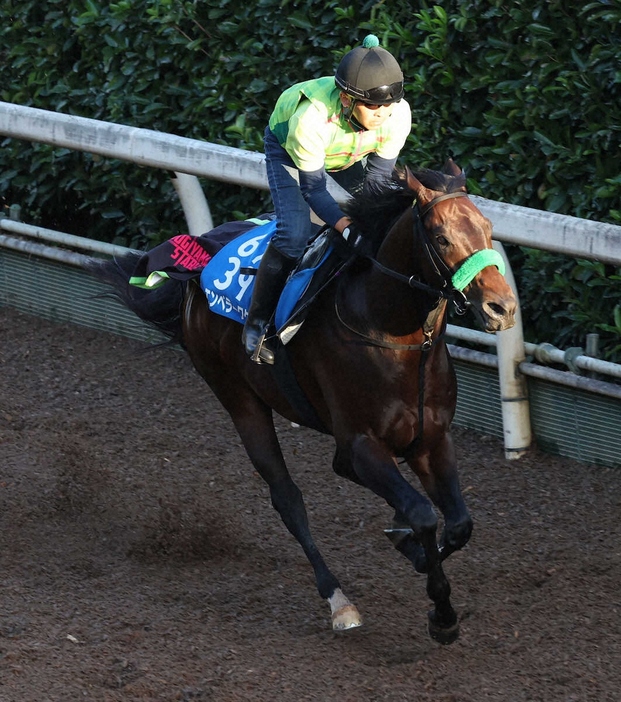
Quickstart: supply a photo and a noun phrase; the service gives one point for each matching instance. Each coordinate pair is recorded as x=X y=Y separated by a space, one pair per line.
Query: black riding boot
x=269 y=282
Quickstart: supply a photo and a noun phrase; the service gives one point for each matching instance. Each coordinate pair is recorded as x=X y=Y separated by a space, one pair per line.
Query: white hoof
x=344 y=613
x=347 y=617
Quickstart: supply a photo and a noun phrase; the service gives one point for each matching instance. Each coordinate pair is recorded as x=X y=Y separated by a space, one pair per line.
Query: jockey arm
x=314 y=189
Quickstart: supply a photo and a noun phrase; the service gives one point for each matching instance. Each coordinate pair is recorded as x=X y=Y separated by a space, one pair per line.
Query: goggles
x=382 y=95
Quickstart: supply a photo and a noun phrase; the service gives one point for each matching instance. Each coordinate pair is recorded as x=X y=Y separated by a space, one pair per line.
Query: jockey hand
x=356 y=241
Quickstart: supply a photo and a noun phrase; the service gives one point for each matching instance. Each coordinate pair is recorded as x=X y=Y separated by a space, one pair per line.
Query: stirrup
x=261 y=353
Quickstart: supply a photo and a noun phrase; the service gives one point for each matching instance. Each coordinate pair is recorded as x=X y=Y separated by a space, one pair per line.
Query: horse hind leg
x=261 y=443
x=288 y=501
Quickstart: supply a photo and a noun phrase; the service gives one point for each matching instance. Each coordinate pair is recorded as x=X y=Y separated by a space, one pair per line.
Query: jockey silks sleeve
x=313 y=185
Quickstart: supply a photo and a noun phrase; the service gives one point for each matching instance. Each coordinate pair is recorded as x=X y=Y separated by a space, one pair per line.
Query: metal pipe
x=489 y=360
x=547 y=353
x=194 y=203
x=70 y=257
x=571 y=380
x=471 y=336
x=145 y=147
x=62 y=239
x=551 y=231
x=513 y=387
x=559 y=377
x=544 y=352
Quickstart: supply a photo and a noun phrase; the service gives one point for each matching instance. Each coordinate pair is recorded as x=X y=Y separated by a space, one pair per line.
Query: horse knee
x=423 y=520
x=457 y=534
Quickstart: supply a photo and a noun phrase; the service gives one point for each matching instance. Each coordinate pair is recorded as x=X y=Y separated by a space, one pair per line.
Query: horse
x=372 y=363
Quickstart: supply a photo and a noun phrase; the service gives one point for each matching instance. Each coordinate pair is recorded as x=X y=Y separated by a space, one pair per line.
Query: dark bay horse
x=372 y=360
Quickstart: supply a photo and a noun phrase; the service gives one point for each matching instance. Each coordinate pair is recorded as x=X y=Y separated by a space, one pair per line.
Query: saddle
x=226 y=260
x=319 y=265
x=228 y=278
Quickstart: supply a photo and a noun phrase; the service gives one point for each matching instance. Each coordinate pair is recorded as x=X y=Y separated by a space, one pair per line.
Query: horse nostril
x=498 y=310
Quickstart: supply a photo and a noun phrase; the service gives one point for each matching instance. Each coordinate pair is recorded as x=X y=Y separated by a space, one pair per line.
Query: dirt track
x=141 y=559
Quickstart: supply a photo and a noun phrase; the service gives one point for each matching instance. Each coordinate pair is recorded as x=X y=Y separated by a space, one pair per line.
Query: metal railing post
x=513 y=389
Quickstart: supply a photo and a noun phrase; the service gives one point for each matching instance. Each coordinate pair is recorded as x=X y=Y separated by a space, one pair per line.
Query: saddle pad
x=225 y=280
x=184 y=257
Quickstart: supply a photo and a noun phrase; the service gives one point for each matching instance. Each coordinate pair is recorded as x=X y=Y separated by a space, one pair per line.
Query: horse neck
x=392 y=305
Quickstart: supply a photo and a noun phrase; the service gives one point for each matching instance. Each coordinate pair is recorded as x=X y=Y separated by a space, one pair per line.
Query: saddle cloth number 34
x=227 y=287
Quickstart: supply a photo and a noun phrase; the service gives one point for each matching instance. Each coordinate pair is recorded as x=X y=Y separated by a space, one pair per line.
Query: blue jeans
x=294 y=228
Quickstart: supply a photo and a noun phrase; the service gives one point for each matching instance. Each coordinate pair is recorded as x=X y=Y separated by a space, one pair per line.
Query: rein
x=427 y=331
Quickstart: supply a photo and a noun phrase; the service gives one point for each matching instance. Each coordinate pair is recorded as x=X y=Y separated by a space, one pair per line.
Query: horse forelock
x=438 y=181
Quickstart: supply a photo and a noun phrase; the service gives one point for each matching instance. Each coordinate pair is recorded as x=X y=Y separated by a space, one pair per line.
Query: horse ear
x=451 y=168
x=422 y=193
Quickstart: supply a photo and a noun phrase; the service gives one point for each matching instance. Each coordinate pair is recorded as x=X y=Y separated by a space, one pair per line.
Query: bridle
x=451 y=282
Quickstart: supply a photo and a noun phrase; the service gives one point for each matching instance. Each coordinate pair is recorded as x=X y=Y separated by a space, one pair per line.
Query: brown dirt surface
x=141 y=559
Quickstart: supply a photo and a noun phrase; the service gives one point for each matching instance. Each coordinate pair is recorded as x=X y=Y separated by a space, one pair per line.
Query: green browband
x=475 y=264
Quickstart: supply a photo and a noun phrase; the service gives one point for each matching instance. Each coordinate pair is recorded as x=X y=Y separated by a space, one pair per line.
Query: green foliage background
x=524 y=95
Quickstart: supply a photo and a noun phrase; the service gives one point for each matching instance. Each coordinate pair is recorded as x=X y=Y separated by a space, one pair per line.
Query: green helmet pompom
x=370 y=41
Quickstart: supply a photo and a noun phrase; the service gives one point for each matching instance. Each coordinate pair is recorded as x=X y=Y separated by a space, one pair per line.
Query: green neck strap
x=475 y=264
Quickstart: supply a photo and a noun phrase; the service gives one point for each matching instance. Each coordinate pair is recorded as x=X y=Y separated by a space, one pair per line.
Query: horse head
x=454 y=240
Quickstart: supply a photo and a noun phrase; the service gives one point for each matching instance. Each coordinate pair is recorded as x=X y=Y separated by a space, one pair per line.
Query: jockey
x=352 y=125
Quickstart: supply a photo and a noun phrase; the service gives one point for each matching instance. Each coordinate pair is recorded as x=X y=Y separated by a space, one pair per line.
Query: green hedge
x=524 y=96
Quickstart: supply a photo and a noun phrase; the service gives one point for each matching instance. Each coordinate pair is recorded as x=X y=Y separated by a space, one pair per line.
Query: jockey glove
x=356 y=241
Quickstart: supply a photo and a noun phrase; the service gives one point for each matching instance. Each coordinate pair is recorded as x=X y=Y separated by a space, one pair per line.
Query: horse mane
x=375 y=209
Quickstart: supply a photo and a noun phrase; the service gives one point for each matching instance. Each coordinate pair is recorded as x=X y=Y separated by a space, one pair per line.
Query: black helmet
x=370 y=74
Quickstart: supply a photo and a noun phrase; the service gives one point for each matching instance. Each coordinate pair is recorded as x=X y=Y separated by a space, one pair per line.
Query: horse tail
x=160 y=307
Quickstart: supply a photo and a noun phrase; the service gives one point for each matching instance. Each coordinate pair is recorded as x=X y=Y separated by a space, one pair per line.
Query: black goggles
x=382 y=95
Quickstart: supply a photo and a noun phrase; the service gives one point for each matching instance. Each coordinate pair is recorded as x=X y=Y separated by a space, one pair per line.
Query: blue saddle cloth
x=228 y=278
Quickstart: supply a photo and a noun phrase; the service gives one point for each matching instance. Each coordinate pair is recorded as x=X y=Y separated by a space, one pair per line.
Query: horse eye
x=442 y=241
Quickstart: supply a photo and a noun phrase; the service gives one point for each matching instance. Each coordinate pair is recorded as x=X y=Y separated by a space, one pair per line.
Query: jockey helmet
x=370 y=74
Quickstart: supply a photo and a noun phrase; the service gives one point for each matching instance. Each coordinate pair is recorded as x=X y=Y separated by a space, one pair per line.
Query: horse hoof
x=444 y=635
x=347 y=617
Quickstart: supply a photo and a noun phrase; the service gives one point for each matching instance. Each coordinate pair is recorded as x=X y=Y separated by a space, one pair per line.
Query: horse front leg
x=377 y=470
x=437 y=471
